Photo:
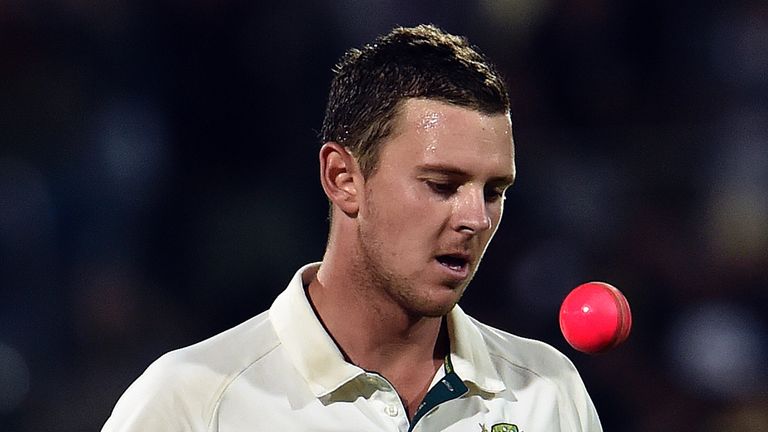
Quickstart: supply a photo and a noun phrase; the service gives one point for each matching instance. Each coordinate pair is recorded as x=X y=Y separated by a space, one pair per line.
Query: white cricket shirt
x=281 y=371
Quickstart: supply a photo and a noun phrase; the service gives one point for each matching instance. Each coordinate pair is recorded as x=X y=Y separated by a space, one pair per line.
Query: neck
x=406 y=351
x=372 y=332
x=371 y=329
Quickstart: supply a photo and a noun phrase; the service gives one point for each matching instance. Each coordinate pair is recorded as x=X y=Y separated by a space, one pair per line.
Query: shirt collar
x=304 y=338
x=469 y=353
x=321 y=363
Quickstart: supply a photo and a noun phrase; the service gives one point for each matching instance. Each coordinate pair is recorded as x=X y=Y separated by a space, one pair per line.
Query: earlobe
x=337 y=175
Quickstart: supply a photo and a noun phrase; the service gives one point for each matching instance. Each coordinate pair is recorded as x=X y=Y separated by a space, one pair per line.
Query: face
x=434 y=202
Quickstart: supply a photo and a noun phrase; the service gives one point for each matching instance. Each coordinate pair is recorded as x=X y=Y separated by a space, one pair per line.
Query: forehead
x=429 y=114
x=433 y=132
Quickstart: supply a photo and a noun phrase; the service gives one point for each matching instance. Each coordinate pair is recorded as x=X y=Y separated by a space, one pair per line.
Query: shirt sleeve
x=582 y=415
x=168 y=396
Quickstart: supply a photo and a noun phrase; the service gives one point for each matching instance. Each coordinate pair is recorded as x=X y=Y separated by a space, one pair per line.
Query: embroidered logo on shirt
x=499 y=427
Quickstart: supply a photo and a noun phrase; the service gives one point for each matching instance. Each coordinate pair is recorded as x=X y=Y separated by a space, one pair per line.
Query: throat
x=412 y=377
x=412 y=387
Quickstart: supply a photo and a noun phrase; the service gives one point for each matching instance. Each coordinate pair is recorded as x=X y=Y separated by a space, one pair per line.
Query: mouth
x=457 y=264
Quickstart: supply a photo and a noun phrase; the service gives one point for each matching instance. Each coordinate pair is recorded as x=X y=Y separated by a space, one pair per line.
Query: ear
x=340 y=177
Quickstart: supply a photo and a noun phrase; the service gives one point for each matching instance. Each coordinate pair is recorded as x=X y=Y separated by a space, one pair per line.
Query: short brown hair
x=371 y=83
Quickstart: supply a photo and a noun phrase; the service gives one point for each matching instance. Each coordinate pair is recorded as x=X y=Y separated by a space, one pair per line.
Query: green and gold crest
x=499 y=427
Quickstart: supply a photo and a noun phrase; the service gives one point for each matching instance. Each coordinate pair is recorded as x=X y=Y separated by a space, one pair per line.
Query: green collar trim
x=450 y=387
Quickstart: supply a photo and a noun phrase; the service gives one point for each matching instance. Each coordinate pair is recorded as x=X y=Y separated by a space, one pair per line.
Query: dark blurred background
x=158 y=184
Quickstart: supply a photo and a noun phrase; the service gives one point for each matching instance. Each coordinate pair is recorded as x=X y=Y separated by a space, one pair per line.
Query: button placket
x=387 y=401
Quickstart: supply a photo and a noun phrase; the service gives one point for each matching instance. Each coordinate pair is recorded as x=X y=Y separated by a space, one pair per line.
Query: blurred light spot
x=515 y=16
x=131 y=137
x=718 y=349
x=738 y=217
x=107 y=301
x=740 y=225
x=751 y=416
x=14 y=379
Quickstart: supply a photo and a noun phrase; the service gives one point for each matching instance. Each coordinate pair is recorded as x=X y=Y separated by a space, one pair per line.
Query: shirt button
x=391 y=410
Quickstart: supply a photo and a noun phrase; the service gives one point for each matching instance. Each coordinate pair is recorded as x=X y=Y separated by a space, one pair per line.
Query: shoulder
x=183 y=387
x=535 y=356
x=523 y=362
x=527 y=364
x=220 y=358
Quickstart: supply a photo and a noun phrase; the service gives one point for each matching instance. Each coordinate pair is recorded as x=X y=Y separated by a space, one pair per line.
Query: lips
x=456 y=263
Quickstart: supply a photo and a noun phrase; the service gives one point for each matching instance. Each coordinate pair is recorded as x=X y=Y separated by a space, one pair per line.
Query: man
x=417 y=156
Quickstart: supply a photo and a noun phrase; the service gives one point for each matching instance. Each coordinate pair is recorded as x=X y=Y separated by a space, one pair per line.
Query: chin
x=432 y=312
x=439 y=304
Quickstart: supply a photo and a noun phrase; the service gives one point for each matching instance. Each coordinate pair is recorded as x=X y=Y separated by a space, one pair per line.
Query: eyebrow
x=452 y=171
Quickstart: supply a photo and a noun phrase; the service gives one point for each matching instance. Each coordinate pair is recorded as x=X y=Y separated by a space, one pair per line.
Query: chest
x=375 y=409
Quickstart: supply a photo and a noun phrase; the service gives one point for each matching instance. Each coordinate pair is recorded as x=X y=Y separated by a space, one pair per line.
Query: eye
x=441 y=188
x=494 y=194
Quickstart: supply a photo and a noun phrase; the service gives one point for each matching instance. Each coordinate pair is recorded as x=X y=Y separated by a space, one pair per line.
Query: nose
x=471 y=213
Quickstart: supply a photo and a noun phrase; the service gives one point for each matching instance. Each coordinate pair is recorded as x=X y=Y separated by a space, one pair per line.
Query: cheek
x=410 y=217
x=390 y=208
x=403 y=201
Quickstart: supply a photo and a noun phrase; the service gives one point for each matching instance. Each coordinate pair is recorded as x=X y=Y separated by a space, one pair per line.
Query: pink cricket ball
x=595 y=317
